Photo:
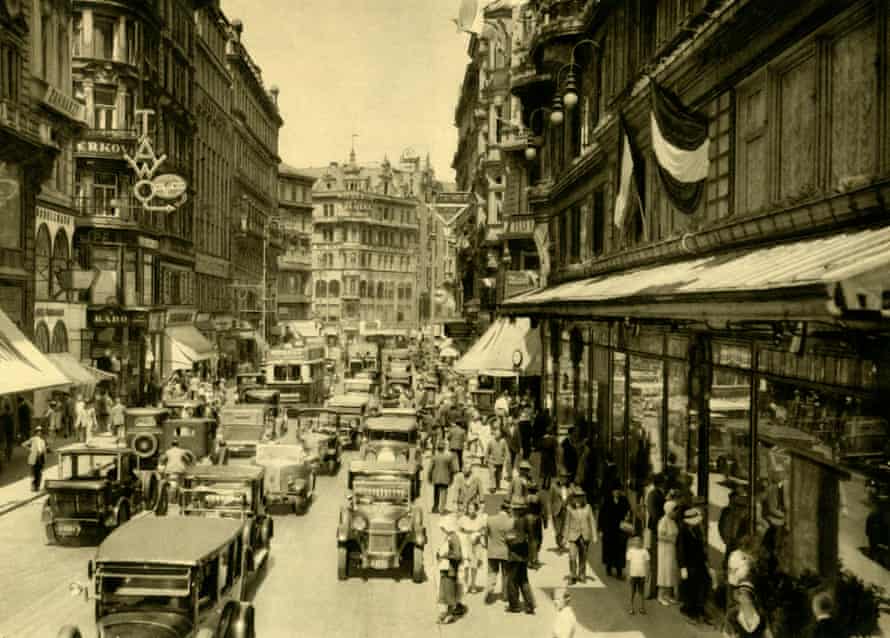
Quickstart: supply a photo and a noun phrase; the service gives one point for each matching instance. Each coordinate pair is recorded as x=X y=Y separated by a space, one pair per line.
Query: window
x=575 y=237
x=10 y=71
x=103 y=38
x=41 y=337
x=46 y=43
x=42 y=253
x=104 y=193
x=60 y=262
x=60 y=338
x=104 y=100
x=77 y=34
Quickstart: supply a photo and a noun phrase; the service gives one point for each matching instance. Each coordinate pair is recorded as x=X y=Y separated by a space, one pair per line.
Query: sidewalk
x=15 y=477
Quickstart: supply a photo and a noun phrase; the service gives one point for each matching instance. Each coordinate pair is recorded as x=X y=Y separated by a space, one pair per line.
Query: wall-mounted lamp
x=569 y=97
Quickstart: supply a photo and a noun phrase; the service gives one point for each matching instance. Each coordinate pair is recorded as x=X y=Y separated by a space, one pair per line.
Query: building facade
x=255 y=241
x=214 y=138
x=714 y=294
x=295 y=261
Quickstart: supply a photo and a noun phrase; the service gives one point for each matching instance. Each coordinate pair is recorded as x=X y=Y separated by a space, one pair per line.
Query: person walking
x=89 y=418
x=517 y=562
x=70 y=414
x=580 y=532
x=497 y=529
x=81 y=427
x=570 y=453
x=692 y=558
x=449 y=558
x=520 y=482
x=653 y=515
x=566 y=624
x=457 y=438
x=467 y=488
x=534 y=516
x=52 y=420
x=514 y=444
x=37 y=451
x=8 y=427
x=24 y=414
x=496 y=454
x=443 y=467
x=638 y=570
x=559 y=501
x=525 y=433
x=118 y=414
x=666 y=578
x=614 y=510
x=471 y=531
x=547 y=445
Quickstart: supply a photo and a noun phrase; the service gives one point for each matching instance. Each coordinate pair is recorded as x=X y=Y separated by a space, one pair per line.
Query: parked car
x=229 y=491
x=142 y=584
x=290 y=473
x=97 y=490
x=381 y=524
x=184 y=408
x=319 y=429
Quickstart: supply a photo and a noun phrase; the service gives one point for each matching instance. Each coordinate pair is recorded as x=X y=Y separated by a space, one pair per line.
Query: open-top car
x=97 y=490
x=381 y=524
x=170 y=578
x=229 y=491
x=320 y=430
x=290 y=473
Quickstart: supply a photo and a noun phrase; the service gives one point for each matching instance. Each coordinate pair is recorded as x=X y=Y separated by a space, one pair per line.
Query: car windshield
x=391 y=435
x=280 y=452
x=164 y=591
x=214 y=500
x=88 y=466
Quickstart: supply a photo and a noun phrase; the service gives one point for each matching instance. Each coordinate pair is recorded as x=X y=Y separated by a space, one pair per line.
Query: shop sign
x=108 y=318
x=64 y=104
x=98 y=148
x=169 y=186
x=180 y=316
x=49 y=312
x=145 y=164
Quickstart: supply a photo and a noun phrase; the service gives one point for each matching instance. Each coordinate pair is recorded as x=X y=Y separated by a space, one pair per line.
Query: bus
x=298 y=373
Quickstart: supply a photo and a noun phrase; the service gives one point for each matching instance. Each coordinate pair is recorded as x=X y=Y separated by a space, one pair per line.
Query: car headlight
x=405 y=524
x=359 y=524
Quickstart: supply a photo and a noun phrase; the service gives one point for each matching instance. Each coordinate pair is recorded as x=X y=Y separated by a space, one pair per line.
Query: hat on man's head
x=39 y=428
x=525 y=465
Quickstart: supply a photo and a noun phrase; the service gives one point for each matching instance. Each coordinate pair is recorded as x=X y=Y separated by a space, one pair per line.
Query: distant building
x=295 y=261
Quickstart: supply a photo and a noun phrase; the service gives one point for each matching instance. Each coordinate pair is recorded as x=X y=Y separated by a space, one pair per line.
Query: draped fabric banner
x=680 y=142
x=630 y=181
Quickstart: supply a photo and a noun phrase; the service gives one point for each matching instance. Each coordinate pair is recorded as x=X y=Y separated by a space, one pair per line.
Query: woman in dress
x=666 y=578
x=471 y=530
x=744 y=620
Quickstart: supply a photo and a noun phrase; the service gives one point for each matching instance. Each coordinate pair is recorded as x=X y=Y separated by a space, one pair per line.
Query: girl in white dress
x=471 y=531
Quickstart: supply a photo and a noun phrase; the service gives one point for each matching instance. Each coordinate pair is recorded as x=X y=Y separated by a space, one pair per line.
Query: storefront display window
x=682 y=436
x=583 y=406
x=565 y=413
x=618 y=442
x=646 y=391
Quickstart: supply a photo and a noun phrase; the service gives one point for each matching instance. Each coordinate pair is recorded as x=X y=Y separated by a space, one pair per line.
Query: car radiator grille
x=382 y=543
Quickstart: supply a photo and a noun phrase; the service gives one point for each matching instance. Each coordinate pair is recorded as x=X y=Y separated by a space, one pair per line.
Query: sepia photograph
x=452 y=318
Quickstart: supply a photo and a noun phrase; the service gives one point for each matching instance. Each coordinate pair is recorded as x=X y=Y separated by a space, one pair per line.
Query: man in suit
x=467 y=488
x=496 y=531
x=559 y=500
x=443 y=467
x=519 y=484
x=692 y=558
x=457 y=438
x=517 y=561
x=654 y=512
x=580 y=531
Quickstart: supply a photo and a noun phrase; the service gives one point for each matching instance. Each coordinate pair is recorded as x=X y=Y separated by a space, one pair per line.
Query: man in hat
x=733 y=522
x=565 y=624
x=443 y=467
x=655 y=498
x=580 y=531
x=37 y=451
x=497 y=529
x=559 y=501
x=525 y=432
x=517 y=561
x=457 y=438
x=692 y=559
x=520 y=482
x=547 y=444
x=449 y=556
x=534 y=516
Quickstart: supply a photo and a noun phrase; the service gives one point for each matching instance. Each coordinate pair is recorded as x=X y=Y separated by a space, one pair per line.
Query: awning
x=78 y=373
x=842 y=274
x=493 y=353
x=187 y=346
x=22 y=366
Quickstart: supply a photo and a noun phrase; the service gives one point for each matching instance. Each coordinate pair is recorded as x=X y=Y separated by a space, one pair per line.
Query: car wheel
x=300 y=505
x=417 y=564
x=151 y=496
x=342 y=563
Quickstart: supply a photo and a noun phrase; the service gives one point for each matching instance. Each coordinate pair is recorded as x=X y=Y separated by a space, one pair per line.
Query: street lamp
x=531 y=152
x=570 y=92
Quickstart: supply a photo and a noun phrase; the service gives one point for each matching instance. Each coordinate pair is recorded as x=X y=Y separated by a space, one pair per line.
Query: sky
x=387 y=70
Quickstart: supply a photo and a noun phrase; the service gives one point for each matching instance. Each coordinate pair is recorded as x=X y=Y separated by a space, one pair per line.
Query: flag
x=629 y=181
x=469 y=16
x=680 y=142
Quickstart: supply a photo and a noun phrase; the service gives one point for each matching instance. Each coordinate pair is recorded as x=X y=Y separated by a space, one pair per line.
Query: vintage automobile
x=272 y=400
x=394 y=436
x=229 y=491
x=319 y=429
x=353 y=410
x=142 y=584
x=243 y=427
x=145 y=433
x=97 y=490
x=290 y=473
x=381 y=524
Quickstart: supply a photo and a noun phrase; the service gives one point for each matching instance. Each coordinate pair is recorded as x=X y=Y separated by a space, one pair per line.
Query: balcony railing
x=559 y=17
x=111 y=134
x=123 y=212
x=298 y=259
x=520 y=225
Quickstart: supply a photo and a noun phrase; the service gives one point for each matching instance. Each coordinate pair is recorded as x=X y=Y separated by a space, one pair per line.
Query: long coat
x=692 y=556
x=558 y=506
x=612 y=513
x=443 y=467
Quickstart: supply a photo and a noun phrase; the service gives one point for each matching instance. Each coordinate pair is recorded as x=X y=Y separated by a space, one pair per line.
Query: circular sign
x=517 y=358
x=169 y=186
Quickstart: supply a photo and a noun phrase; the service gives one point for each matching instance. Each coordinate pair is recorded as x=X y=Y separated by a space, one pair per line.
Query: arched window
x=321 y=289
x=334 y=288
x=60 y=338
x=61 y=262
x=42 y=258
x=41 y=337
x=380 y=290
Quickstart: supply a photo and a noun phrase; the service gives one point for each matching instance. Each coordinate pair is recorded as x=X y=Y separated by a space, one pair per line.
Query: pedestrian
x=497 y=529
x=559 y=501
x=745 y=620
x=519 y=483
x=565 y=624
x=24 y=414
x=81 y=426
x=89 y=418
x=53 y=418
x=541 y=425
x=502 y=406
x=692 y=558
x=525 y=433
x=517 y=562
x=666 y=578
x=496 y=454
x=102 y=411
x=824 y=625
x=614 y=511
x=37 y=451
x=118 y=413
x=514 y=444
x=471 y=530
x=457 y=438
x=70 y=414
x=580 y=531
x=638 y=570
x=570 y=453
x=654 y=512
x=8 y=429
x=443 y=467
x=534 y=515
x=467 y=489
x=547 y=445
x=585 y=476
x=449 y=558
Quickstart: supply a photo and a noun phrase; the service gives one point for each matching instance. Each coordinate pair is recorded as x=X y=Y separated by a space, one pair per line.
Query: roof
x=290 y=171
x=394 y=423
x=227 y=472
x=370 y=467
x=182 y=540
x=811 y=278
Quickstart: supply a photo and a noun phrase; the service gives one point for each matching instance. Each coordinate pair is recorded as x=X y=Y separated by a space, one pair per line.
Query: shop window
x=598 y=230
x=42 y=257
x=645 y=435
x=618 y=443
x=682 y=431
x=104 y=194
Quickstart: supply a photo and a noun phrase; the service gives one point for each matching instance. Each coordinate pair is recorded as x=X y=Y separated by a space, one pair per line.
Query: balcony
x=560 y=18
x=23 y=124
x=295 y=261
x=293 y=298
x=520 y=226
x=120 y=213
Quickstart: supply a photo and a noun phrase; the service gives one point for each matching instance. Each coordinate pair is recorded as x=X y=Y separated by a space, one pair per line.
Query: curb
x=25 y=501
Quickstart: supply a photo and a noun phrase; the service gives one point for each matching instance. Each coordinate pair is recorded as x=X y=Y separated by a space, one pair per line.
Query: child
x=565 y=624
x=638 y=566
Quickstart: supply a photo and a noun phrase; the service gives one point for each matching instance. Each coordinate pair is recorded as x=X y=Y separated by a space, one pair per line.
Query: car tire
x=417 y=572
x=151 y=495
x=342 y=562
x=69 y=631
x=237 y=621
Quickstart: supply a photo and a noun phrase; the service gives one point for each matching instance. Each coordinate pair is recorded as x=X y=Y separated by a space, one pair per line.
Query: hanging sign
x=145 y=163
x=169 y=186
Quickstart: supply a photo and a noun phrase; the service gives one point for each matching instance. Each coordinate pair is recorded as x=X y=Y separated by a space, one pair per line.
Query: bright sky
x=387 y=70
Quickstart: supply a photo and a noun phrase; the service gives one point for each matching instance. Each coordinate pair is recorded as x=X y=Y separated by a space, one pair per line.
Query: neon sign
x=145 y=163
